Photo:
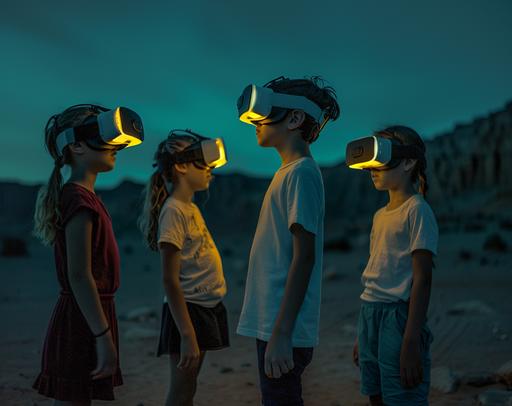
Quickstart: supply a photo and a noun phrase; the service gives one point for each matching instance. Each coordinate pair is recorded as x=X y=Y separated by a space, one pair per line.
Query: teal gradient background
x=183 y=64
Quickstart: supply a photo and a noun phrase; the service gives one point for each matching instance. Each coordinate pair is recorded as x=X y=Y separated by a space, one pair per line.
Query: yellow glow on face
x=367 y=165
x=250 y=116
x=222 y=155
x=126 y=139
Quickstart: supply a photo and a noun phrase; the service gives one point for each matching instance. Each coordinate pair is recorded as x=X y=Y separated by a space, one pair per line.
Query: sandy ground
x=464 y=342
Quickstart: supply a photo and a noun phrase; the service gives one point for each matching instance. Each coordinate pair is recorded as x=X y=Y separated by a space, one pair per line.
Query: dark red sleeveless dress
x=69 y=353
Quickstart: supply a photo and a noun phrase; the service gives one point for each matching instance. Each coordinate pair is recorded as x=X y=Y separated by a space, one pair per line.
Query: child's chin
x=264 y=143
x=380 y=187
x=107 y=167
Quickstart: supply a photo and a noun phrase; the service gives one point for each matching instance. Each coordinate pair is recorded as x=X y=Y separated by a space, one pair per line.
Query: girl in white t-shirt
x=194 y=320
x=393 y=345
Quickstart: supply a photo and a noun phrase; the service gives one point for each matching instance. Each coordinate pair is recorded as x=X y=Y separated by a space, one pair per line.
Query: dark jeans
x=286 y=390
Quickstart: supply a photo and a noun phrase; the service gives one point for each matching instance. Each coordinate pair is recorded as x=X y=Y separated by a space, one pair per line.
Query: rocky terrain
x=470 y=311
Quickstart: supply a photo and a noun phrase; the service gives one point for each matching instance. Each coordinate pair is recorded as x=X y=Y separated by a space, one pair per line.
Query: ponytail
x=155 y=194
x=47 y=213
x=156 y=191
x=423 y=183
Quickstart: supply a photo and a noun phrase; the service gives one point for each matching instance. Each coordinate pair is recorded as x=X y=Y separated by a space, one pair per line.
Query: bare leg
x=376 y=400
x=183 y=383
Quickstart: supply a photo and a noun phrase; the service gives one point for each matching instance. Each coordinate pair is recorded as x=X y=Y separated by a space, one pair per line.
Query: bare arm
x=171 y=260
x=420 y=293
x=298 y=279
x=410 y=357
x=79 y=252
x=279 y=353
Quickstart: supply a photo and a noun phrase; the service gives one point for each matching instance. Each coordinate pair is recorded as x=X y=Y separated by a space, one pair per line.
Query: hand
x=411 y=371
x=106 y=353
x=189 y=353
x=355 y=353
x=278 y=356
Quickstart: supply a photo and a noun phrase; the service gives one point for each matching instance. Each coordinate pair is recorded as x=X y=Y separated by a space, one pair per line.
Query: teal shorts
x=381 y=327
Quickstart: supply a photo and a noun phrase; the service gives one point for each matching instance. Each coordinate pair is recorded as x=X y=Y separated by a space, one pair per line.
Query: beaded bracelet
x=102 y=333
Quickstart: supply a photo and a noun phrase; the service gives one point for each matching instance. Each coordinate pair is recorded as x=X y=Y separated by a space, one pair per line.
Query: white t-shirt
x=395 y=235
x=201 y=275
x=295 y=195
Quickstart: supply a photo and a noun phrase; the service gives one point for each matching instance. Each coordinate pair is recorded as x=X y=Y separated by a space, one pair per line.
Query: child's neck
x=83 y=178
x=183 y=193
x=292 y=149
x=399 y=196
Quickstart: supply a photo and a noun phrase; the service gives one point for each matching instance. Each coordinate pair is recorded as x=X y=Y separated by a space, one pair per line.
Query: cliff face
x=469 y=172
x=473 y=162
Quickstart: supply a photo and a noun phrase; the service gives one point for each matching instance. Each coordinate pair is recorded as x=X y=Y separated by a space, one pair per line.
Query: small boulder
x=140 y=333
x=141 y=314
x=504 y=374
x=478 y=379
x=444 y=380
x=349 y=329
x=495 y=397
x=471 y=307
x=331 y=275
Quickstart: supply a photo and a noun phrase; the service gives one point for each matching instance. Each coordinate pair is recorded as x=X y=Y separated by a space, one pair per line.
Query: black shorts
x=210 y=325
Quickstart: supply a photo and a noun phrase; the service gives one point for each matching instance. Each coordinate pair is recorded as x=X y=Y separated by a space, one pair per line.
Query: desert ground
x=470 y=315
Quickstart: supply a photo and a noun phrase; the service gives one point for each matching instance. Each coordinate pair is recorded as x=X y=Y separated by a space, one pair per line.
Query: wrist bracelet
x=102 y=333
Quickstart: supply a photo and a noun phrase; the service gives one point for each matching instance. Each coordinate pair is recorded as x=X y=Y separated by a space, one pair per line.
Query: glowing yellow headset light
x=222 y=160
x=376 y=152
x=209 y=152
x=126 y=125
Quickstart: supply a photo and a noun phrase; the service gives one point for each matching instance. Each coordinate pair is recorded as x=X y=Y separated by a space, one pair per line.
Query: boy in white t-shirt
x=282 y=298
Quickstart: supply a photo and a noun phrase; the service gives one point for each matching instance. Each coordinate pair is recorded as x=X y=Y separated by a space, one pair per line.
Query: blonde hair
x=407 y=136
x=155 y=192
x=47 y=214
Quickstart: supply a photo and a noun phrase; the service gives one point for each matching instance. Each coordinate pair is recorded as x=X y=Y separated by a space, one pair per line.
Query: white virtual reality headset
x=120 y=127
x=255 y=104
x=377 y=152
x=205 y=152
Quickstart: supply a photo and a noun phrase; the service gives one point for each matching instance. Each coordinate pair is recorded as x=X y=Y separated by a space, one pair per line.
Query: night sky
x=183 y=64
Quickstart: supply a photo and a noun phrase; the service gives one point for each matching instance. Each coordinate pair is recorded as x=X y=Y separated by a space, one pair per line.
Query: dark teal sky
x=183 y=64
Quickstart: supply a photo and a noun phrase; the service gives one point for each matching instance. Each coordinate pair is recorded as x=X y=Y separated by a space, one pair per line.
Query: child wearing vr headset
x=392 y=349
x=80 y=357
x=282 y=297
x=194 y=320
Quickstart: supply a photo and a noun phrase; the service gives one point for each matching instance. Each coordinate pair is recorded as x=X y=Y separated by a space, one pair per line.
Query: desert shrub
x=506 y=224
x=14 y=247
x=474 y=227
x=128 y=249
x=496 y=243
x=338 y=244
x=465 y=255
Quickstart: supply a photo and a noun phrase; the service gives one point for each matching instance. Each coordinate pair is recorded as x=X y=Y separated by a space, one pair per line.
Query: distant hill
x=469 y=171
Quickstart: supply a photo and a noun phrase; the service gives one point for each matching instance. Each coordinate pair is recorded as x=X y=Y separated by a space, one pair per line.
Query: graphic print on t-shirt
x=201 y=277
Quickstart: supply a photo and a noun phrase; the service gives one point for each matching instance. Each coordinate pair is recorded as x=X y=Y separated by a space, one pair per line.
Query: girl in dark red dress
x=80 y=358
